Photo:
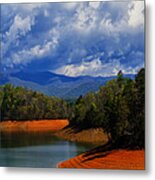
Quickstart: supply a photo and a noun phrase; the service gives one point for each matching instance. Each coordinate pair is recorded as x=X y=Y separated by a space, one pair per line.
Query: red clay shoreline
x=118 y=159
x=34 y=125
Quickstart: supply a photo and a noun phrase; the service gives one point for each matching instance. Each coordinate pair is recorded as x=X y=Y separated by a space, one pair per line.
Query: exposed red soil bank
x=35 y=125
x=120 y=159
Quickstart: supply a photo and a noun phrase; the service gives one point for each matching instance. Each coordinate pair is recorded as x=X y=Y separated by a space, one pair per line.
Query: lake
x=39 y=150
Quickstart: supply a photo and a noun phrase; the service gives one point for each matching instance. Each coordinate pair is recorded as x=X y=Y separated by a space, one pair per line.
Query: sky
x=73 y=39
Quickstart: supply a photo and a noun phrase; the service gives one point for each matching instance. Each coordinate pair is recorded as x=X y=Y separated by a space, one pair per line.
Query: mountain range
x=58 y=85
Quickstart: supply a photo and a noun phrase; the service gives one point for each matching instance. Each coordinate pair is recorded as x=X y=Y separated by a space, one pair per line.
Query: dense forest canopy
x=118 y=107
x=18 y=103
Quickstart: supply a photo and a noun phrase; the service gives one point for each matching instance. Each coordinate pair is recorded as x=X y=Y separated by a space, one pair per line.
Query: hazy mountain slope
x=55 y=84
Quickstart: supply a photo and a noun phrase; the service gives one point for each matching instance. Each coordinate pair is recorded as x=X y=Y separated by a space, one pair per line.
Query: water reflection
x=22 y=149
x=19 y=139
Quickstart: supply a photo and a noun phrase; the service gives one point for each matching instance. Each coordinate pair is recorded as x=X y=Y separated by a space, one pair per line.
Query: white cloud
x=92 y=68
x=93 y=18
x=20 y=27
x=25 y=55
x=46 y=13
x=38 y=51
x=70 y=5
x=97 y=68
x=106 y=25
x=23 y=18
x=94 y=4
x=85 y=18
x=85 y=68
x=136 y=13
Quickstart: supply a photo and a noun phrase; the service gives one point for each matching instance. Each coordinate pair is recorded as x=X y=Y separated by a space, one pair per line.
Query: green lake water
x=40 y=150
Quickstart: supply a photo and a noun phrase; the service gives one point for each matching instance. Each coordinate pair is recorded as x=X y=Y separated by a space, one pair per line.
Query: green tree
x=139 y=120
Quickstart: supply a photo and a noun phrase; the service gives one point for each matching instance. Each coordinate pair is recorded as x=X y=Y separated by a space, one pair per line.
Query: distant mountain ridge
x=55 y=84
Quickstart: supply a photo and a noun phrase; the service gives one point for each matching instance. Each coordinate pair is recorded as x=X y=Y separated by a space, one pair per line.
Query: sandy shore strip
x=35 y=125
x=118 y=159
x=93 y=135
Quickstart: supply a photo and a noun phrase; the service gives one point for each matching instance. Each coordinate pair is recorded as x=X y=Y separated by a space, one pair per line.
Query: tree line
x=18 y=103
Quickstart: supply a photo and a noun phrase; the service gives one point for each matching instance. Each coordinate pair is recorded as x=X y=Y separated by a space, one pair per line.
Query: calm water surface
x=36 y=149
